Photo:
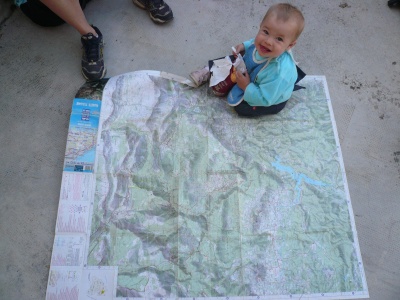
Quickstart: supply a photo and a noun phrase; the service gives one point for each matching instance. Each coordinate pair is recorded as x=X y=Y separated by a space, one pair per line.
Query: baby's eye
x=280 y=39
x=266 y=32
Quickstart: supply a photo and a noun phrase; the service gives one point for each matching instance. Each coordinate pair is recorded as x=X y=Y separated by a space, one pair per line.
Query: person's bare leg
x=91 y=38
x=71 y=12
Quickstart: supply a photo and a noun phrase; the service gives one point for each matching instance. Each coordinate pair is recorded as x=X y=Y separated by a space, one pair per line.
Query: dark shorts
x=40 y=14
x=246 y=110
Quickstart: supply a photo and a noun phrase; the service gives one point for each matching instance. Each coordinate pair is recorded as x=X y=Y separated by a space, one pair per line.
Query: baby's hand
x=243 y=80
x=239 y=48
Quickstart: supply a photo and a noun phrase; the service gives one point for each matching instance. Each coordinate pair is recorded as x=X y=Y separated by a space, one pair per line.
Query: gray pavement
x=355 y=44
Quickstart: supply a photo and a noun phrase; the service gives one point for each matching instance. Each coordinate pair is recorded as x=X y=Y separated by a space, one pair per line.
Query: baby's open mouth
x=264 y=49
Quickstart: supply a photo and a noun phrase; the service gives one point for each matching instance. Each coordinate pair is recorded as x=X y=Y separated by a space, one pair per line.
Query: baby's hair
x=286 y=11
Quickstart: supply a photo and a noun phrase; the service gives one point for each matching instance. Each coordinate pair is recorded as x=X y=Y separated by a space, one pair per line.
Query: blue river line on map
x=299 y=177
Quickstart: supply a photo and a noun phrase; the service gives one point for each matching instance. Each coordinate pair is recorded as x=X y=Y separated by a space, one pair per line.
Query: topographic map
x=191 y=200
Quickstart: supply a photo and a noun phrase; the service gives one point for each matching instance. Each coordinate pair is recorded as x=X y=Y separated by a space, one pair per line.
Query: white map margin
x=346 y=186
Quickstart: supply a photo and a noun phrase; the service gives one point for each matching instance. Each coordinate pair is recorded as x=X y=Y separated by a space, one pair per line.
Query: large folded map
x=175 y=196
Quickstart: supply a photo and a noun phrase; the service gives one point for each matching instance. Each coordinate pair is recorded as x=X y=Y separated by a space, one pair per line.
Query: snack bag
x=223 y=74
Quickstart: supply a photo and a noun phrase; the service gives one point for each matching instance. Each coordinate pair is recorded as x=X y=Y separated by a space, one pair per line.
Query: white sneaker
x=201 y=76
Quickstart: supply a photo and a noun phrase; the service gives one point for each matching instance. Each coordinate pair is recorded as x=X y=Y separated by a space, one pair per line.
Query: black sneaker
x=92 y=56
x=159 y=11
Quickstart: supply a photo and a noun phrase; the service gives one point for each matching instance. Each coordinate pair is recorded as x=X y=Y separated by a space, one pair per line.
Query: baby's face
x=275 y=37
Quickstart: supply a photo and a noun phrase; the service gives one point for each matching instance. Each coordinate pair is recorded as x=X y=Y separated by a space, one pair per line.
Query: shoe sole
x=155 y=20
x=158 y=21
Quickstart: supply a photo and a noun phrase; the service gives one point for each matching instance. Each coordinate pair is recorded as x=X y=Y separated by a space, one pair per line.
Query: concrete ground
x=355 y=44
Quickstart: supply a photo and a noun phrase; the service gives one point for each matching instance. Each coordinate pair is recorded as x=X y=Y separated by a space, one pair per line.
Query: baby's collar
x=257 y=57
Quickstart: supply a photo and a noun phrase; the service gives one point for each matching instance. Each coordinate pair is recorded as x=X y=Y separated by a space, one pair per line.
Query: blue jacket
x=271 y=84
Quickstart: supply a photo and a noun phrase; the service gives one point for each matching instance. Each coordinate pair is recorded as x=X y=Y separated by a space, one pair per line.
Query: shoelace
x=92 y=49
x=156 y=3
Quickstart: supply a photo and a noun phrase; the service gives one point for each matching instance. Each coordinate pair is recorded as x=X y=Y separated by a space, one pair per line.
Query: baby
x=271 y=70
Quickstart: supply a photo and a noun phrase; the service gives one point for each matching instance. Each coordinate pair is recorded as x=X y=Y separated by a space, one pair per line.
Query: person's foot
x=92 y=56
x=159 y=11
